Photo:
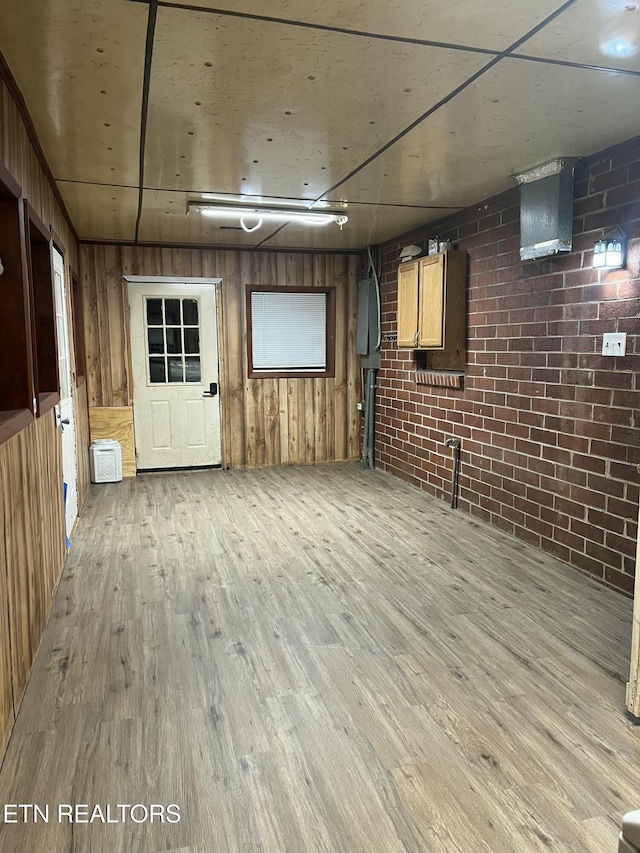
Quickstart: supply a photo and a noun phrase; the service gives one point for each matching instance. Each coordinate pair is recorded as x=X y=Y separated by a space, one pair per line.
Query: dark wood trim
x=59 y=244
x=36 y=223
x=39 y=245
x=77 y=325
x=11 y=423
x=214 y=247
x=9 y=80
x=330 y=371
x=16 y=382
x=9 y=187
x=47 y=400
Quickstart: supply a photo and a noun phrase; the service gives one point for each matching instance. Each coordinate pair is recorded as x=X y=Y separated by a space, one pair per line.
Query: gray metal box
x=546 y=209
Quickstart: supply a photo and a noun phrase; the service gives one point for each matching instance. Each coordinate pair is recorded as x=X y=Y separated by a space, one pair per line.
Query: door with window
x=174 y=352
x=65 y=410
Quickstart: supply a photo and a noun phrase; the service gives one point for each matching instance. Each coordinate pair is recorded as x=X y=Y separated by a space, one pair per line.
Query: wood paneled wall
x=81 y=409
x=19 y=156
x=32 y=551
x=264 y=421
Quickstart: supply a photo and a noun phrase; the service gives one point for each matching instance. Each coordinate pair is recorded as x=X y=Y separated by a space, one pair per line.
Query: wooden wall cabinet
x=432 y=302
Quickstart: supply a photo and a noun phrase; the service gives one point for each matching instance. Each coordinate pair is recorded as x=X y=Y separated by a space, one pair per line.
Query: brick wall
x=550 y=428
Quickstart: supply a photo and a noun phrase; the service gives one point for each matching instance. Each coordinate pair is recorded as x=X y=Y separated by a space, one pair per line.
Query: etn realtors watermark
x=93 y=814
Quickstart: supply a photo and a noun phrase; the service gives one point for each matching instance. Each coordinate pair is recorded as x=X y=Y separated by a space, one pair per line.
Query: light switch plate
x=614 y=343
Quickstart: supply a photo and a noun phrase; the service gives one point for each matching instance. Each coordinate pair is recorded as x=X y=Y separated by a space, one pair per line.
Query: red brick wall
x=550 y=428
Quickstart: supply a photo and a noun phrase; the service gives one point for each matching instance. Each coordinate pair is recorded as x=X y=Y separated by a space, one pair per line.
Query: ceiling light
x=251 y=217
x=618 y=47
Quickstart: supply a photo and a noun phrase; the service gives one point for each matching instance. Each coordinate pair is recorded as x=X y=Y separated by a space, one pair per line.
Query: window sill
x=47 y=401
x=13 y=422
x=291 y=374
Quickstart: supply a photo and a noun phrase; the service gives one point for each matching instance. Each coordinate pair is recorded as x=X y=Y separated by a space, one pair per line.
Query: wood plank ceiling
x=395 y=110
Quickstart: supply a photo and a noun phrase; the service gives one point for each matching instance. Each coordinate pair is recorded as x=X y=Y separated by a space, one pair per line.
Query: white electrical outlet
x=614 y=343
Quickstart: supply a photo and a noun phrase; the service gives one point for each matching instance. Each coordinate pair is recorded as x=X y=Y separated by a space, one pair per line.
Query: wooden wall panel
x=31 y=497
x=31 y=483
x=116 y=422
x=264 y=421
x=6 y=687
x=81 y=404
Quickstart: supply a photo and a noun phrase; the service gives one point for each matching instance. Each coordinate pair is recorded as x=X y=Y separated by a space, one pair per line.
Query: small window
x=173 y=340
x=291 y=331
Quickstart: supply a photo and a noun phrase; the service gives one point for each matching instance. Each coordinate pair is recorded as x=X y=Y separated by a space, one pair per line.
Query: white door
x=65 y=410
x=174 y=353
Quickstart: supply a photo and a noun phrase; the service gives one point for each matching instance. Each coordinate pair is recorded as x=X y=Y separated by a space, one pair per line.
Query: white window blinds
x=289 y=330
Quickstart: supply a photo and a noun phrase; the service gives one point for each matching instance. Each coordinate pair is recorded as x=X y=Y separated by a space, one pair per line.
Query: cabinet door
x=431 y=326
x=407 y=304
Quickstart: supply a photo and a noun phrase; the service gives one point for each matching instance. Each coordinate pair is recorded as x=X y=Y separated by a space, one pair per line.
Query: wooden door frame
x=216 y=282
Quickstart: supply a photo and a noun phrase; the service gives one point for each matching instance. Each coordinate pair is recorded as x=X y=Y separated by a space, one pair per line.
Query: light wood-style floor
x=321 y=659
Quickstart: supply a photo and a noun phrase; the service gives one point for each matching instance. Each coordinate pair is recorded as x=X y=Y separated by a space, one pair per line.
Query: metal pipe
x=371 y=405
x=365 y=428
x=455 y=443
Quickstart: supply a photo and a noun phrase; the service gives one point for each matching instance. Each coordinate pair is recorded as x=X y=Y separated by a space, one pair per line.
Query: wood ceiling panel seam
x=268 y=19
x=144 y=115
x=566 y=63
x=447 y=98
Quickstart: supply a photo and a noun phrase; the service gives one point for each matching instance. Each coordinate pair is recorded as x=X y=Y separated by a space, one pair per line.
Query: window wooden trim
x=330 y=370
x=16 y=387
x=39 y=244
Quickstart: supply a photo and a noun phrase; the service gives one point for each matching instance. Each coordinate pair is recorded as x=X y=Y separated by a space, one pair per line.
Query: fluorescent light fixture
x=252 y=216
x=251 y=199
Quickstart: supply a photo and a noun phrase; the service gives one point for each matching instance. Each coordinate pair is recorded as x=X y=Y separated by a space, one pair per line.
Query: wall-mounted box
x=546 y=209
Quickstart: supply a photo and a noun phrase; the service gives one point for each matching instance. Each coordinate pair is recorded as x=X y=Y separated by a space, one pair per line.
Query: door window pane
x=172 y=312
x=192 y=340
x=172 y=329
x=154 y=312
x=156 y=370
x=156 y=341
x=190 y=312
x=174 y=340
x=192 y=368
x=176 y=373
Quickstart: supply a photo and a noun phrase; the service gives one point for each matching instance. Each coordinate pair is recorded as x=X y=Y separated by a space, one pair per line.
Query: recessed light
x=618 y=47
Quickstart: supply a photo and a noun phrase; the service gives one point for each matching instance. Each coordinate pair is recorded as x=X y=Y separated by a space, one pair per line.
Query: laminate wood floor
x=319 y=659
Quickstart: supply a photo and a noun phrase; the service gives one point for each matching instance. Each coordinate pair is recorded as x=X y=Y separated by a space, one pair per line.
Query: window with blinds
x=290 y=331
